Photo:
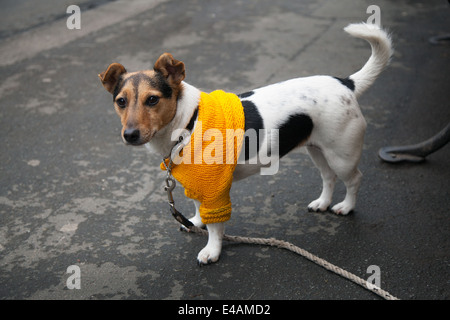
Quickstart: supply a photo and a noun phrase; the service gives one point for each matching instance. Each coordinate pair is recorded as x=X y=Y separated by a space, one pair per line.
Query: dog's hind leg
x=343 y=157
x=352 y=182
x=344 y=160
x=328 y=179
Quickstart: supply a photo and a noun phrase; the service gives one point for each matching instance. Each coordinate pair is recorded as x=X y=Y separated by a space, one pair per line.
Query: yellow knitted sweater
x=209 y=180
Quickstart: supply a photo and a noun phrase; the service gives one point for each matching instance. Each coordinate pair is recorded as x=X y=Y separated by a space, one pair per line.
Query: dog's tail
x=382 y=51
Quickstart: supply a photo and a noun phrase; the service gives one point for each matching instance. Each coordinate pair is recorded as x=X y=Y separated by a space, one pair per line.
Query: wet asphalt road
x=71 y=193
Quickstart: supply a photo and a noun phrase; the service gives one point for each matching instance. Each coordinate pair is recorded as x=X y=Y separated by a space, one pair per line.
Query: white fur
x=335 y=144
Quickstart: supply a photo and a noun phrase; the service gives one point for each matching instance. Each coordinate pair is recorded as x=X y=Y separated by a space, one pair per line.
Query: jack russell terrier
x=318 y=112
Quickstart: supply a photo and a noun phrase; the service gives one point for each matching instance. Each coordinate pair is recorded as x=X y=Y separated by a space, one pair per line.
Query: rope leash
x=319 y=261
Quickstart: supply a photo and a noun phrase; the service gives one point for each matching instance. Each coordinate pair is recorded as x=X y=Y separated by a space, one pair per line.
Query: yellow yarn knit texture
x=209 y=181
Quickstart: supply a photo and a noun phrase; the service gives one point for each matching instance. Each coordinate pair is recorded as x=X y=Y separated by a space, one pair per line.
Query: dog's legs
x=328 y=179
x=343 y=158
x=211 y=252
x=352 y=182
x=344 y=162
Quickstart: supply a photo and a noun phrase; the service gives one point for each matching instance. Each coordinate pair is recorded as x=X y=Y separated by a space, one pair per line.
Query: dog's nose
x=131 y=135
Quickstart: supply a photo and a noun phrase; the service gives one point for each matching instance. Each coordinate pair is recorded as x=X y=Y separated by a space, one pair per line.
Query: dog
x=320 y=113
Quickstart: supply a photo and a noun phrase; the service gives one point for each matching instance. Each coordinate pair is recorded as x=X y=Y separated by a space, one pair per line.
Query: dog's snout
x=132 y=135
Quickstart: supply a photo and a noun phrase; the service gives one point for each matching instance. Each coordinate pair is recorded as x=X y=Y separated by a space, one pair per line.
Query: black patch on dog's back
x=349 y=83
x=253 y=122
x=293 y=132
x=245 y=95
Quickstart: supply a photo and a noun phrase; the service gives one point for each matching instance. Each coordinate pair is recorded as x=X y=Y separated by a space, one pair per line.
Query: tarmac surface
x=72 y=194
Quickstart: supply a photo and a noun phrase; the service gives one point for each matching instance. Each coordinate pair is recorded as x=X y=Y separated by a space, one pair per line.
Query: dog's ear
x=111 y=76
x=172 y=69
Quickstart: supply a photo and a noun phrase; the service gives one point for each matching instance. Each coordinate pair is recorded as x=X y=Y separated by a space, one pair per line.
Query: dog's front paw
x=209 y=254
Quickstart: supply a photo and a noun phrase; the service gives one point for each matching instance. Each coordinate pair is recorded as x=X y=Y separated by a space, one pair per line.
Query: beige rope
x=321 y=262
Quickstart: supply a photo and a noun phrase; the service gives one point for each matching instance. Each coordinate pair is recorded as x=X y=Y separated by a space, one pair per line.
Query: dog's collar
x=191 y=123
x=183 y=139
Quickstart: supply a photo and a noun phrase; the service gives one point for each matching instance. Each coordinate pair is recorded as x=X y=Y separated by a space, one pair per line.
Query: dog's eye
x=121 y=102
x=152 y=100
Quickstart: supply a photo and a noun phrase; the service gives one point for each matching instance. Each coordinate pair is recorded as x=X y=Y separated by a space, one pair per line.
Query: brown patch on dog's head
x=146 y=101
x=172 y=69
